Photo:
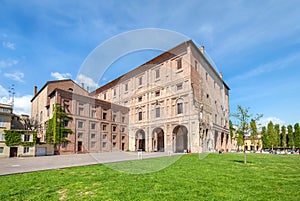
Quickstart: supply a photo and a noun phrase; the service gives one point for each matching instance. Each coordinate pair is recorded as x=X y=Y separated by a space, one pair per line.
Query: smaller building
x=5 y=124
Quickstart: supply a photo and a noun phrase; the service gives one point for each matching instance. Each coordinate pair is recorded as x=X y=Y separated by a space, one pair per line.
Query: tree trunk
x=245 y=157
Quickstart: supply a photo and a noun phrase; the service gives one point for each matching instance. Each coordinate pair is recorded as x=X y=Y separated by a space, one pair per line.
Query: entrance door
x=79 y=147
x=142 y=144
x=160 y=142
x=123 y=146
x=13 y=152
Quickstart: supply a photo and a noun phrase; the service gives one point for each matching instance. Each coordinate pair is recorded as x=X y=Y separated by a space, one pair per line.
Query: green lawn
x=217 y=177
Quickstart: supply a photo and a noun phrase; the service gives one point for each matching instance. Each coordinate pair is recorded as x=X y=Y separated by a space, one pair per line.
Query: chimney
x=82 y=85
x=202 y=49
x=35 y=90
x=88 y=89
x=221 y=75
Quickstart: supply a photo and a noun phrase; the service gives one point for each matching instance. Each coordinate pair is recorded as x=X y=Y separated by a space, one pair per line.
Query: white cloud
x=9 y=45
x=22 y=105
x=17 y=76
x=3 y=91
x=60 y=76
x=87 y=81
x=8 y=63
x=275 y=120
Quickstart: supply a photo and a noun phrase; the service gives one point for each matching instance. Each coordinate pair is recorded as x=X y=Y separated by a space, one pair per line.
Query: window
x=140 y=99
x=41 y=116
x=93 y=144
x=140 y=115
x=114 y=117
x=1 y=137
x=157 y=112
x=104 y=115
x=80 y=135
x=115 y=92
x=140 y=80
x=26 y=150
x=2 y=123
x=26 y=138
x=123 y=119
x=114 y=128
x=179 y=64
x=123 y=137
x=157 y=93
x=123 y=129
x=93 y=114
x=114 y=137
x=196 y=65
x=80 y=124
x=206 y=76
x=104 y=136
x=66 y=123
x=114 y=144
x=93 y=135
x=216 y=118
x=104 y=127
x=65 y=135
x=104 y=96
x=179 y=86
x=126 y=87
x=93 y=126
x=207 y=95
x=1 y=150
x=157 y=74
x=179 y=108
x=80 y=111
x=103 y=144
x=64 y=144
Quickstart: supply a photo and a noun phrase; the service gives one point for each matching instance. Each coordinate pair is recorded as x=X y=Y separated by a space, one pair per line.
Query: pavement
x=31 y=164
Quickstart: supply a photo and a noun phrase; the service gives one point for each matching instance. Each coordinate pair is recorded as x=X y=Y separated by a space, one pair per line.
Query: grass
x=217 y=177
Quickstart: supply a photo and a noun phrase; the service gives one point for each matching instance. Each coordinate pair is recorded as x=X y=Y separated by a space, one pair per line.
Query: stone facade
x=176 y=102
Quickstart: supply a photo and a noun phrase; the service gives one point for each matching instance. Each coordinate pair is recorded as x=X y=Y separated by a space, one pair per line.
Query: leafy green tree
x=56 y=132
x=277 y=135
x=271 y=135
x=297 y=135
x=231 y=129
x=290 y=136
x=283 y=137
x=253 y=132
x=264 y=137
x=242 y=117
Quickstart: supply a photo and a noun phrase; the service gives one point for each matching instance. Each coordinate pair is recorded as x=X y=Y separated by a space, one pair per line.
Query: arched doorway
x=158 y=133
x=180 y=138
x=140 y=140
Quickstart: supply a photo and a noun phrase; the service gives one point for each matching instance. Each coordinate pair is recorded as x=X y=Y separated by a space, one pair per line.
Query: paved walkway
x=31 y=164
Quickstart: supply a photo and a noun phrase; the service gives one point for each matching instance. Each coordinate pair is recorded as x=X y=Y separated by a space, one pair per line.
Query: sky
x=255 y=44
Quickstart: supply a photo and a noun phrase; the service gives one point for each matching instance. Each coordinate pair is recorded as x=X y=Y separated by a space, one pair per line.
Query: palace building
x=176 y=102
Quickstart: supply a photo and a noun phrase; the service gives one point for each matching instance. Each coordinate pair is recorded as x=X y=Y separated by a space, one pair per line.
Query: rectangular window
x=114 y=144
x=93 y=135
x=123 y=137
x=140 y=80
x=196 y=65
x=1 y=150
x=157 y=93
x=26 y=150
x=123 y=119
x=179 y=64
x=114 y=128
x=140 y=116
x=2 y=123
x=104 y=115
x=1 y=137
x=179 y=108
x=104 y=96
x=157 y=112
x=80 y=135
x=126 y=87
x=80 y=111
x=80 y=124
x=123 y=129
x=93 y=144
x=179 y=86
x=104 y=127
x=103 y=144
x=93 y=114
x=157 y=74
x=93 y=126
x=140 y=99
x=64 y=144
x=115 y=92
x=104 y=136
x=26 y=138
x=66 y=123
x=114 y=137
x=114 y=117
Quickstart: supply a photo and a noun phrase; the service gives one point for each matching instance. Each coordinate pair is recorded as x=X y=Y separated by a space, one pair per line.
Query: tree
x=264 y=137
x=277 y=135
x=296 y=135
x=56 y=132
x=253 y=132
x=30 y=124
x=242 y=116
x=272 y=135
x=283 y=137
x=290 y=136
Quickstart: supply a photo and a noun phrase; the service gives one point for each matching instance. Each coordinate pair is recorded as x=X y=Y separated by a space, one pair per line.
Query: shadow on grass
x=241 y=161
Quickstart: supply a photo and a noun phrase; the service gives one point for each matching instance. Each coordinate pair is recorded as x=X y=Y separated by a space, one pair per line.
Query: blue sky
x=255 y=44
